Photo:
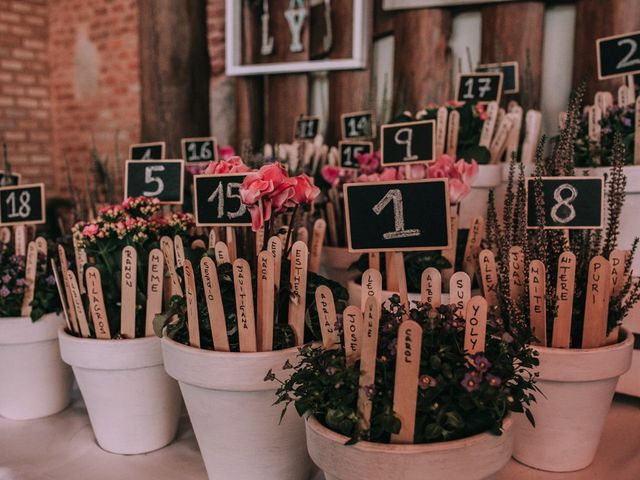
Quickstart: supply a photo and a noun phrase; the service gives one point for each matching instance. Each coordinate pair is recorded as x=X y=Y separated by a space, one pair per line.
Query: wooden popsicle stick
x=298 y=279
x=317 y=241
x=562 y=120
x=352 y=321
x=83 y=325
x=636 y=141
x=475 y=329
x=371 y=287
x=533 y=124
x=259 y=240
x=193 y=320
x=302 y=235
x=597 y=298
x=215 y=308
x=599 y=100
x=441 y=130
x=473 y=247
x=64 y=268
x=431 y=287
x=327 y=317
x=96 y=304
x=266 y=299
x=178 y=246
x=42 y=246
x=450 y=253
x=452 y=132
x=5 y=235
x=595 y=130
x=31 y=266
x=391 y=274
x=488 y=276
x=516 y=273
x=538 y=301
x=61 y=294
x=244 y=306
x=331 y=221
x=20 y=240
x=489 y=125
x=460 y=292
x=499 y=142
x=499 y=117
x=222 y=253
x=155 y=277
x=275 y=247
x=128 y=292
x=513 y=139
x=231 y=243
x=617 y=259
x=398 y=266
x=368 y=355
x=374 y=260
x=173 y=287
x=81 y=260
x=198 y=243
x=565 y=287
x=405 y=391
x=623 y=96
x=632 y=89
x=212 y=239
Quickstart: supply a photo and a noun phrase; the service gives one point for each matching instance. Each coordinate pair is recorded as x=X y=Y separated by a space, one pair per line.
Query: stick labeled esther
x=298 y=278
x=128 y=292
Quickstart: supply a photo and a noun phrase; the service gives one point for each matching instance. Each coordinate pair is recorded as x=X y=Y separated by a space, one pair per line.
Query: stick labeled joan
x=244 y=306
x=367 y=382
x=96 y=303
x=516 y=273
x=298 y=278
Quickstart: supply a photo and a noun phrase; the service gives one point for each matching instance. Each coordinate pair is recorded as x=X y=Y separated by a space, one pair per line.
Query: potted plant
x=122 y=257
x=237 y=319
x=35 y=381
x=398 y=393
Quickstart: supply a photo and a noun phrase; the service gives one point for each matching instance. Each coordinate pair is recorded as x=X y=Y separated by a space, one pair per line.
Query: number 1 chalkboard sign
x=349 y=152
x=22 y=204
x=569 y=202
x=147 y=151
x=217 y=200
x=618 y=55
x=199 y=150
x=161 y=179
x=357 y=125
x=397 y=216
x=10 y=179
x=510 y=70
x=479 y=87
x=407 y=143
x=306 y=128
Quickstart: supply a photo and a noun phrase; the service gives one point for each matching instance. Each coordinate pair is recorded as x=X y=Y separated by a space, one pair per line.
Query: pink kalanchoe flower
x=369 y=162
x=225 y=153
x=90 y=229
x=331 y=175
x=230 y=165
x=461 y=175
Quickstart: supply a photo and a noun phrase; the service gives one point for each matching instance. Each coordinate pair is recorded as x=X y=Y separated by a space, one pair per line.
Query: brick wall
x=25 y=115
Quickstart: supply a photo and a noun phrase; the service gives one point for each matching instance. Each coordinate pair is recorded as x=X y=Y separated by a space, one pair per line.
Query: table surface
x=62 y=447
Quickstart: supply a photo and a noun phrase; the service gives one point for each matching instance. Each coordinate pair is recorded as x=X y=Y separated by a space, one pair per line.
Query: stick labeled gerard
x=266 y=299
x=128 y=292
x=597 y=301
x=96 y=303
x=215 y=307
x=431 y=287
x=475 y=330
x=244 y=306
x=371 y=287
x=488 y=276
x=352 y=324
x=368 y=363
x=538 y=301
x=298 y=279
x=460 y=292
x=317 y=240
x=327 y=317
x=193 y=325
x=155 y=276
x=565 y=286
x=30 y=277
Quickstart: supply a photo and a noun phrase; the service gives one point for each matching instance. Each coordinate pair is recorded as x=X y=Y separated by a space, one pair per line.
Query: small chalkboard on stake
x=217 y=200
x=569 y=202
x=618 y=55
x=10 y=179
x=479 y=87
x=147 y=151
x=392 y=216
x=22 y=204
x=510 y=70
x=408 y=143
x=306 y=127
x=199 y=150
x=358 y=125
x=161 y=179
x=349 y=152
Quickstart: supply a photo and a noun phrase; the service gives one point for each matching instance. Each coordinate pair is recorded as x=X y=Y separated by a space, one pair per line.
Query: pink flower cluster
x=232 y=164
x=461 y=175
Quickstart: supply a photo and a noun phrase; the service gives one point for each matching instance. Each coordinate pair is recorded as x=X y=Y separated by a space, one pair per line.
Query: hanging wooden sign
x=358 y=125
x=618 y=55
x=147 y=151
x=199 y=150
x=274 y=246
x=349 y=152
x=479 y=87
x=510 y=72
x=516 y=273
x=217 y=200
x=408 y=143
x=163 y=180
x=22 y=204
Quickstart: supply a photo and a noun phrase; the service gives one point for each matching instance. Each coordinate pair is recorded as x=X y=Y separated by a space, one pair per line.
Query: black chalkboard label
x=147 y=151
x=406 y=143
x=618 y=55
x=479 y=87
x=199 y=150
x=349 y=152
x=510 y=72
x=22 y=204
x=10 y=179
x=307 y=128
x=397 y=216
x=569 y=202
x=161 y=179
x=217 y=200
x=357 y=125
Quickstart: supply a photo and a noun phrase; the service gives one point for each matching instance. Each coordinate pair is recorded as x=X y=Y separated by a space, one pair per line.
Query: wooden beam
x=174 y=71
x=382 y=20
x=514 y=32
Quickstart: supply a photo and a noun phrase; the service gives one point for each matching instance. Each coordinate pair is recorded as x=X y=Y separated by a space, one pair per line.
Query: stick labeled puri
x=244 y=306
x=488 y=276
x=96 y=303
x=155 y=277
x=30 y=277
x=475 y=331
x=431 y=287
x=327 y=317
x=215 y=308
x=128 y=292
x=266 y=300
x=565 y=287
x=298 y=278
x=352 y=324
x=193 y=324
x=597 y=303
x=538 y=301
x=368 y=363
x=371 y=286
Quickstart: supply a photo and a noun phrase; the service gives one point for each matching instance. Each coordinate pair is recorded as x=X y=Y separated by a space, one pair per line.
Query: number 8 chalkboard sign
x=23 y=204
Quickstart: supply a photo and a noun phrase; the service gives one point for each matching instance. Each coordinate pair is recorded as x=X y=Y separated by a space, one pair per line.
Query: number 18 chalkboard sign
x=217 y=200
x=23 y=204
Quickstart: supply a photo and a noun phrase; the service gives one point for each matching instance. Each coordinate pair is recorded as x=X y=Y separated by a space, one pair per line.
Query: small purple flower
x=393 y=347
x=626 y=121
x=493 y=380
x=481 y=363
x=330 y=370
x=51 y=280
x=427 y=381
x=4 y=291
x=369 y=391
x=470 y=382
x=6 y=278
x=21 y=282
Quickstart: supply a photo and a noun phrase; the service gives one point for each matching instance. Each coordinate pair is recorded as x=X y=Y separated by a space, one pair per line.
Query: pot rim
x=489 y=176
x=22 y=330
x=589 y=351
x=216 y=353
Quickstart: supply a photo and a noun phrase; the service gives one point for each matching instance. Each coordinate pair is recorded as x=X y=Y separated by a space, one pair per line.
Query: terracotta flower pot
x=335 y=263
x=233 y=416
x=578 y=386
x=34 y=381
x=473 y=458
x=133 y=405
x=476 y=203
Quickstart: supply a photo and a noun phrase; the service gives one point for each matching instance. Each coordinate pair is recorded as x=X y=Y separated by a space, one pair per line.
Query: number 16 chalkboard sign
x=22 y=205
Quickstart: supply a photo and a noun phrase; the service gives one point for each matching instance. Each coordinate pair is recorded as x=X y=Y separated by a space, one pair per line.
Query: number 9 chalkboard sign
x=618 y=55
x=23 y=204
x=397 y=216
x=199 y=150
x=217 y=200
x=407 y=143
x=161 y=179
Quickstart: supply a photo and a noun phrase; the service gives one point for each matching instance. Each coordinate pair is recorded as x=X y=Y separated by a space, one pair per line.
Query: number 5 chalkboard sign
x=407 y=143
x=162 y=179
x=618 y=55
x=217 y=200
x=23 y=204
x=397 y=216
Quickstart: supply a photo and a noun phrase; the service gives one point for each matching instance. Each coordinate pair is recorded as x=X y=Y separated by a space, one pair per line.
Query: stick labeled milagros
x=368 y=363
x=460 y=292
x=298 y=279
x=128 y=292
x=215 y=307
x=317 y=240
x=597 y=301
x=488 y=276
x=327 y=317
x=275 y=247
x=30 y=277
x=193 y=325
x=371 y=287
x=405 y=390
x=77 y=305
x=155 y=275
x=96 y=304
x=473 y=247
x=266 y=299
x=565 y=287
x=352 y=324
x=475 y=330
x=431 y=287
x=244 y=306
x=538 y=300
x=516 y=273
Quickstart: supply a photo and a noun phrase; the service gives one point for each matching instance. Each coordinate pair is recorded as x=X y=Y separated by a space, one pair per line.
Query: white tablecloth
x=62 y=447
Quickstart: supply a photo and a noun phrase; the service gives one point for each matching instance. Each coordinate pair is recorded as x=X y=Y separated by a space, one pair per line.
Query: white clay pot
x=232 y=413
x=477 y=201
x=577 y=388
x=34 y=381
x=335 y=263
x=472 y=458
x=133 y=405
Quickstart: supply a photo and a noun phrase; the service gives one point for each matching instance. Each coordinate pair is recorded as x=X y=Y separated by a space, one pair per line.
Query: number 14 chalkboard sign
x=22 y=205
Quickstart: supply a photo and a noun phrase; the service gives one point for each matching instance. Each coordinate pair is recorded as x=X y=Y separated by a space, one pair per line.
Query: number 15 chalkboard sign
x=217 y=200
x=23 y=204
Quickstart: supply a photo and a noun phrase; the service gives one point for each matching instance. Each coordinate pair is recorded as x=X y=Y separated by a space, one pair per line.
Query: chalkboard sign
x=217 y=200
x=161 y=179
x=357 y=125
x=349 y=152
x=10 y=179
x=397 y=216
x=618 y=55
x=306 y=128
x=510 y=72
x=22 y=204
x=147 y=151
x=569 y=202
x=409 y=142
x=479 y=87
x=199 y=150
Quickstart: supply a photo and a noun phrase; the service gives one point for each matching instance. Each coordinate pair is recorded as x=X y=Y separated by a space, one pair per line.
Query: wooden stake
x=302 y=235
x=374 y=260
x=178 y=245
x=441 y=130
x=352 y=321
x=259 y=240
x=244 y=306
x=96 y=304
x=636 y=141
x=31 y=266
x=212 y=239
x=331 y=220
x=489 y=125
x=597 y=301
x=623 y=96
x=43 y=247
x=77 y=305
x=128 y=292
x=61 y=294
x=222 y=253
x=450 y=253
x=398 y=266
x=617 y=259
x=452 y=133
x=266 y=300
x=215 y=308
x=155 y=277
x=231 y=243
x=298 y=279
x=371 y=287
x=513 y=139
x=460 y=292
x=327 y=317
x=64 y=268
x=475 y=329
x=516 y=273
x=538 y=301
x=431 y=287
x=391 y=274
x=21 y=240
x=275 y=247
x=81 y=260
x=193 y=320
x=533 y=124
x=565 y=287
x=173 y=287
x=368 y=362
x=473 y=247
x=317 y=241
x=488 y=276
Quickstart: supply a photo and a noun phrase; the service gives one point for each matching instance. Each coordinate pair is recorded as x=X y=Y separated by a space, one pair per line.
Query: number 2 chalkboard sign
x=479 y=87
x=199 y=150
x=147 y=151
x=217 y=200
x=510 y=70
x=618 y=55
x=357 y=125
x=569 y=202
x=307 y=128
x=407 y=143
x=349 y=152
x=23 y=204
x=397 y=216
x=161 y=179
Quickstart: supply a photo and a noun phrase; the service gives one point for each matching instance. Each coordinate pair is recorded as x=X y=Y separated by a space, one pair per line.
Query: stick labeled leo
x=327 y=317
x=155 y=276
x=352 y=324
x=215 y=307
x=298 y=279
x=538 y=301
x=367 y=382
x=431 y=287
x=193 y=325
x=565 y=286
x=475 y=330
x=244 y=306
x=371 y=287
x=96 y=303
x=128 y=292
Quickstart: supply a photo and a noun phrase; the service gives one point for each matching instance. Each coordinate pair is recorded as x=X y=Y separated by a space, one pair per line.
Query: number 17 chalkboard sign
x=22 y=205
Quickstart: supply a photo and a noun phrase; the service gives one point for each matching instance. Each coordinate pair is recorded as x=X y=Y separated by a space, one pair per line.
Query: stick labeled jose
x=352 y=321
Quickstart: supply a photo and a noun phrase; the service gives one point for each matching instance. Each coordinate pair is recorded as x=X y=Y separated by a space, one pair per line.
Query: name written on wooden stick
x=128 y=292
x=298 y=280
x=565 y=286
x=193 y=323
x=352 y=325
x=30 y=277
x=215 y=307
x=327 y=317
x=244 y=306
x=96 y=303
x=317 y=240
x=460 y=292
x=77 y=305
x=488 y=276
x=538 y=300
x=473 y=247
x=266 y=298
x=431 y=287
x=366 y=385
x=475 y=330
x=516 y=273
x=371 y=286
